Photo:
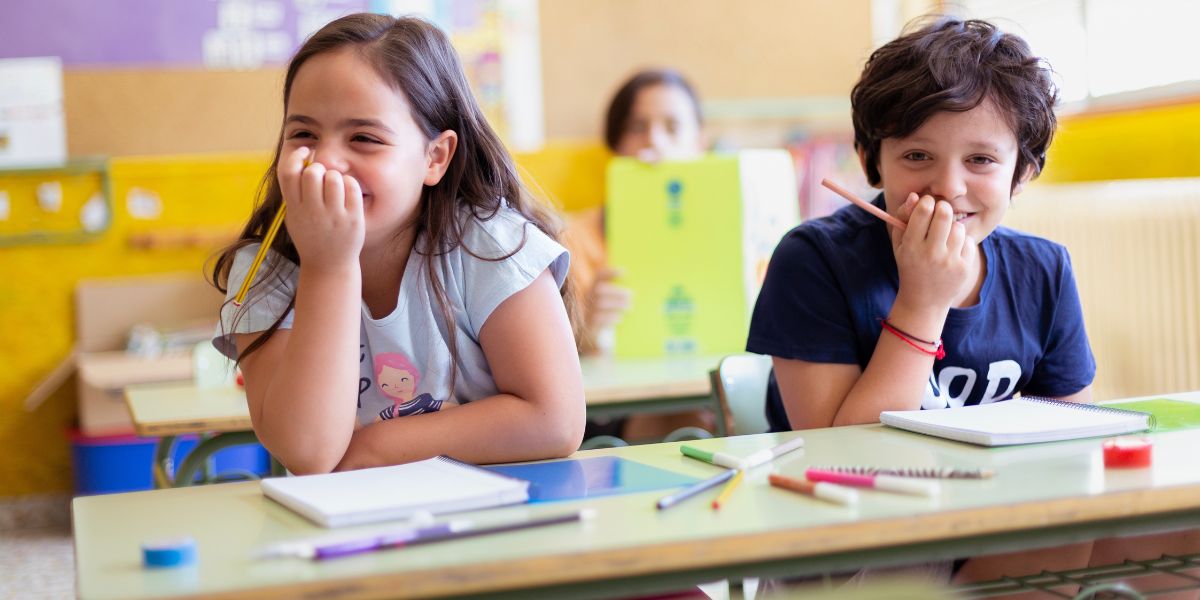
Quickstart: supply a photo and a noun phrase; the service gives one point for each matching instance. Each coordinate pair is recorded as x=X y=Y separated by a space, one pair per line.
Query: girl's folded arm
x=537 y=414
x=300 y=384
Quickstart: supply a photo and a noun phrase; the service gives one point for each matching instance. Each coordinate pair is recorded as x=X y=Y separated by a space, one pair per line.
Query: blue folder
x=574 y=479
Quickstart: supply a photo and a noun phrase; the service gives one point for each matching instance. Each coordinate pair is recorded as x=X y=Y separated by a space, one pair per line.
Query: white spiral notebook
x=437 y=485
x=1025 y=420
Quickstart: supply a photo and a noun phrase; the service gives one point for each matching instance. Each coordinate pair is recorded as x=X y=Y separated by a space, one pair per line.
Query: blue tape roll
x=169 y=553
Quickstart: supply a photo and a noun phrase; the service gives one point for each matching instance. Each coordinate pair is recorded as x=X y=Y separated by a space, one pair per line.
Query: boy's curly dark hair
x=954 y=65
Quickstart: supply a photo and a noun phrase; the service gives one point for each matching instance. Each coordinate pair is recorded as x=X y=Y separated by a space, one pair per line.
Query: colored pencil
x=268 y=239
x=728 y=491
x=916 y=472
x=867 y=206
x=671 y=500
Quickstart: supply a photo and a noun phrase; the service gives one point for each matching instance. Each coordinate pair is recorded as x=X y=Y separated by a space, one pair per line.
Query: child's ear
x=862 y=159
x=438 y=154
x=1025 y=178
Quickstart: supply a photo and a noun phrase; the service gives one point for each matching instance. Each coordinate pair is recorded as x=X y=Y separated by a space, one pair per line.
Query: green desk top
x=1035 y=487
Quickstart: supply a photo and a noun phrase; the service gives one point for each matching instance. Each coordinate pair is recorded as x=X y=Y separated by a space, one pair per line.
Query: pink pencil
x=867 y=206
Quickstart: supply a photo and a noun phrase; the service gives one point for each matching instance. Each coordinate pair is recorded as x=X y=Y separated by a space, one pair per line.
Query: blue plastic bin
x=122 y=463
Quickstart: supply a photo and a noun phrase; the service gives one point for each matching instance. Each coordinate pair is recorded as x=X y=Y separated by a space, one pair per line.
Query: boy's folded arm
x=1083 y=396
x=300 y=395
x=813 y=392
x=833 y=394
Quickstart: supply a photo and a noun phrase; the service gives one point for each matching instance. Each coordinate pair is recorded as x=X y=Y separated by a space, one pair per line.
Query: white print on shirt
x=1000 y=371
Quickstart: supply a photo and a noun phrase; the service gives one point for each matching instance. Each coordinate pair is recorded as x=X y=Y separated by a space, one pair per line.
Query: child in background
x=408 y=239
x=950 y=120
x=654 y=116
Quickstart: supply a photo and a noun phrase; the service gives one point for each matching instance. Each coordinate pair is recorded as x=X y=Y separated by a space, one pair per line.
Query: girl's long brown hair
x=416 y=58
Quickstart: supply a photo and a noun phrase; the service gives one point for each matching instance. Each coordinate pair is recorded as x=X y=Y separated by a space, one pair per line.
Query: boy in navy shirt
x=861 y=317
x=950 y=121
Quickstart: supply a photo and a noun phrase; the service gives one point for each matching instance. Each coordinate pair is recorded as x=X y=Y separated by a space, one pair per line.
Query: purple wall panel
x=132 y=32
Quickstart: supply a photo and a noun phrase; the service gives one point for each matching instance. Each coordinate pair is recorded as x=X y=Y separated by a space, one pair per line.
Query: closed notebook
x=1019 y=421
x=437 y=485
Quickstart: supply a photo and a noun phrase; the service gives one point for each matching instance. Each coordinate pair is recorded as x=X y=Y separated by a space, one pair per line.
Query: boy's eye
x=981 y=160
x=916 y=156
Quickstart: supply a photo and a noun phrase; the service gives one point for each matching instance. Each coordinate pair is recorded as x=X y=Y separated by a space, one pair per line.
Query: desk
x=611 y=387
x=622 y=386
x=1042 y=495
x=172 y=409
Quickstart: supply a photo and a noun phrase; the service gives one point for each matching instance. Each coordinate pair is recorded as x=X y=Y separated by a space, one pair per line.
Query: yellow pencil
x=240 y=297
x=729 y=487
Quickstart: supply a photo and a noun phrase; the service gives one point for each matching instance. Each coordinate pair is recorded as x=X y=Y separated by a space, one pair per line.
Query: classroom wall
x=203 y=200
x=1132 y=143
x=730 y=50
x=159 y=111
x=764 y=49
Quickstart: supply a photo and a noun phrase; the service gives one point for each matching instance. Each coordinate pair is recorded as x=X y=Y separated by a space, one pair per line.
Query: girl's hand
x=324 y=213
x=934 y=255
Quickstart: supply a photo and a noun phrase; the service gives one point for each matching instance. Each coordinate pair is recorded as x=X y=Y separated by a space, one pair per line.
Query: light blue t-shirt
x=404 y=357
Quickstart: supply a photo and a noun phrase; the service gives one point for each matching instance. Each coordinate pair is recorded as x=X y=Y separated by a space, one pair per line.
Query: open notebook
x=437 y=485
x=1019 y=421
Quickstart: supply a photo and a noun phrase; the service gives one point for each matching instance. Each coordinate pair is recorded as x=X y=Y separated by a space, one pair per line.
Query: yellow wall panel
x=570 y=175
x=1159 y=141
x=204 y=199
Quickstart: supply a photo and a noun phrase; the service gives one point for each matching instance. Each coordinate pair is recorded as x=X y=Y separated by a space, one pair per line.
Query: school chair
x=740 y=381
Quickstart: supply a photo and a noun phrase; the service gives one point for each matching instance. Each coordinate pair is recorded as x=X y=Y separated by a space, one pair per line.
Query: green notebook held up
x=1025 y=420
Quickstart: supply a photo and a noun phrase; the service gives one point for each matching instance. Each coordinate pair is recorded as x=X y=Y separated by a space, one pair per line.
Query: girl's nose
x=330 y=157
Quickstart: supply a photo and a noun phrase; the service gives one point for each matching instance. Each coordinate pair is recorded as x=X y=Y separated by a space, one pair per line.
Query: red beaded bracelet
x=938 y=351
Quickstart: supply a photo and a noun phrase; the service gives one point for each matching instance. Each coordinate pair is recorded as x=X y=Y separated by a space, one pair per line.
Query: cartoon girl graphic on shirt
x=397 y=378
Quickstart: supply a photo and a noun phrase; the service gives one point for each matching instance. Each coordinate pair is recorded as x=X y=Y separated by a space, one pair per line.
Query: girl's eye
x=298 y=134
x=364 y=138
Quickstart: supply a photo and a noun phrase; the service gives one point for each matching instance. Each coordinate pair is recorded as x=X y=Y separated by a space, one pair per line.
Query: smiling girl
x=408 y=234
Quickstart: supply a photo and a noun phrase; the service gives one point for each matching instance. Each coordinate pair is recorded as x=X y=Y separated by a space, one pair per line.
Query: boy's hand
x=324 y=213
x=934 y=255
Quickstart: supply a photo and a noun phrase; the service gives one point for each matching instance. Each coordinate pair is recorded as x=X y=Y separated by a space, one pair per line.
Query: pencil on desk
x=867 y=206
x=672 y=499
x=917 y=472
x=267 y=240
x=728 y=491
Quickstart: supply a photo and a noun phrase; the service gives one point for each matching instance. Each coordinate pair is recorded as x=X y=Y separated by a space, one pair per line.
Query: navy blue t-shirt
x=831 y=279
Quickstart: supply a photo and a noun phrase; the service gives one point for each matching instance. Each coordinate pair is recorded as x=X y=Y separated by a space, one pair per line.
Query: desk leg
x=163 y=464
x=198 y=457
